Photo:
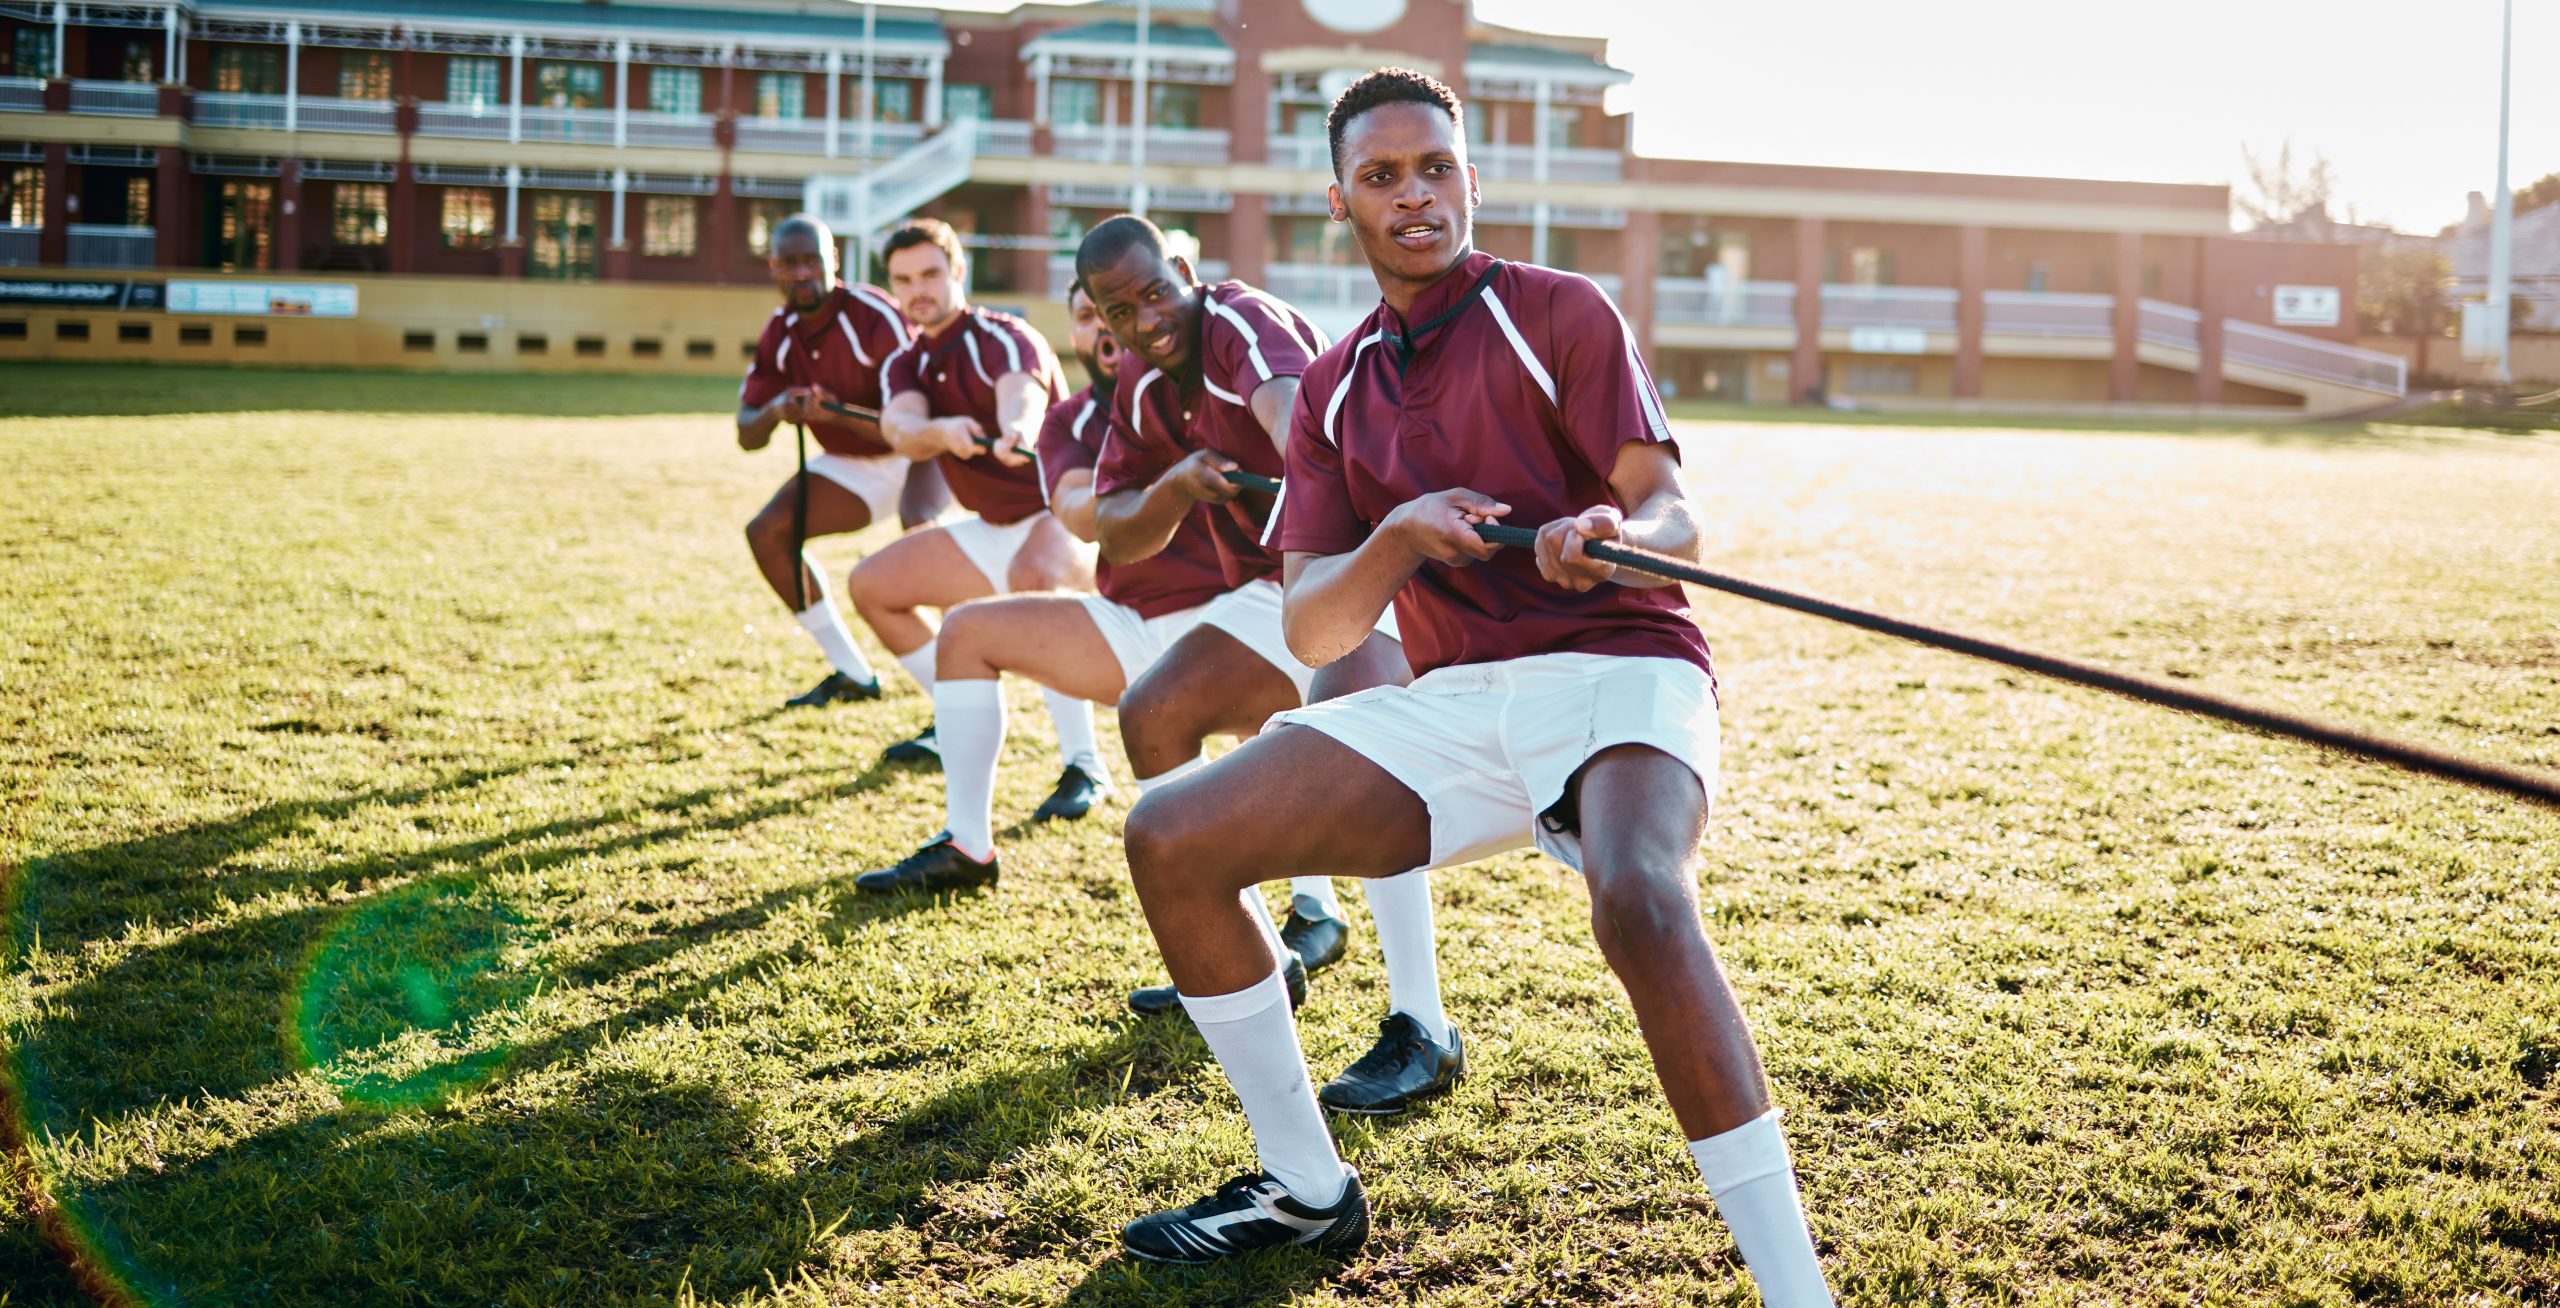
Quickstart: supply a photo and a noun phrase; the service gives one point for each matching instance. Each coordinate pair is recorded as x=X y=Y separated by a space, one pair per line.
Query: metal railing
x=331 y=114
x=1004 y=139
x=1925 y=308
x=2163 y=323
x=95 y=245
x=2309 y=356
x=129 y=99
x=648 y=127
x=453 y=118
x=581 y=126
x=20 y=246
x=22 y=94
x=230 y=109
x=849 y=203
x=1519 y=163
x=1322 y=286
x=1110 y=144
x=1695 y=300
x=1310 y=154
x=2047 y=313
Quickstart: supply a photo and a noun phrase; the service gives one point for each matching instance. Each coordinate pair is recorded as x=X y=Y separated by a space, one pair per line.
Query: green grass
x=415 y=898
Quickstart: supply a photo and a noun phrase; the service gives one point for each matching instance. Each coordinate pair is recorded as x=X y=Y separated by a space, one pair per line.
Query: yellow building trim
x=1327 y=58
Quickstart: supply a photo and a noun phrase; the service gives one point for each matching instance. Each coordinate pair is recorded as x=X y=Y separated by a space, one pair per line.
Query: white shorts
x=1251 y=614
x=1138 y=642
x=1490 y=746
x=875 y=479
x=991 y=547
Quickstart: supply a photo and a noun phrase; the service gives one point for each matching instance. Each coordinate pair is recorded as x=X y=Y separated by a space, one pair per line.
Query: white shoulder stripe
x=852 y=338
x=782 y=351
x=1083 y=416
x=897 y=321
x=1252 y=345
x=1229 y=397
x=1529 y=360
x=1272 y=527
x=1138 y=402
x=971 y=341
x=1012 y=351
x=1636 y=375
x=1343 y=388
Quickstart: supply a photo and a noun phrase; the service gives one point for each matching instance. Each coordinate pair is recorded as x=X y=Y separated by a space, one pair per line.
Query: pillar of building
x=408 y=225
x=1248 y=251
x=288 y=246
x=53 y=246
x=2124 y=372
x=1973 y=267
x=1035 y=260
x=726 y=235
x=1638 y=246
x=617 y=247
x=176 y=101
x=57 y=95
x=2212 y=264
x=511 y=235
x=1804 y=376
x=169 y=208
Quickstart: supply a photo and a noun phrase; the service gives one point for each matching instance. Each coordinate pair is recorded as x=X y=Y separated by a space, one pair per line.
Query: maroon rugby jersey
x=1183 y=574
x=840 y=345
x=1525 y=394
x=956 y=371
x=1247 y=337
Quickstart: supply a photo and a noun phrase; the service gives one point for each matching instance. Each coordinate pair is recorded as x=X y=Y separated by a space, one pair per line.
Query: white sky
x=2401 y=95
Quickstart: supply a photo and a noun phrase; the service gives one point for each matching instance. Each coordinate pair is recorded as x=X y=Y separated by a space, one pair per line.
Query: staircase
x=862 y=207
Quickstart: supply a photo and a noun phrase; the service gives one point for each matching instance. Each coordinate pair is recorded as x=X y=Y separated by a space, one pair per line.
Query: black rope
x=1255 y=481
x=2535 y=787
x=872 y=416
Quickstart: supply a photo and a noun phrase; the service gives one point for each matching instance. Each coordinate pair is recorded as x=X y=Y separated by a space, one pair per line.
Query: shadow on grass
x=137 y=390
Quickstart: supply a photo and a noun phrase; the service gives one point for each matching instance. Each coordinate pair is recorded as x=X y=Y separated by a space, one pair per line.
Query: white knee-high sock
x=968 y=722
x=826 y=626
x=919 y=664
x=1400 y=905
x=1172 y=774
x=1319 y=889
x=1754 y=1184
x=1256 y=1042
x=1074 y=720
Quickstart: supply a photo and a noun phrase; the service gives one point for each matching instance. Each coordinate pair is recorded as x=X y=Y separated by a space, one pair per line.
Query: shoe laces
x=1397 y=1035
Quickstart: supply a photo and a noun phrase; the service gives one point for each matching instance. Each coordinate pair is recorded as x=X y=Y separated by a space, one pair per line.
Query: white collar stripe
x=1349 y=371
x=971 y=341
x=1228 y=396
x=1138 y=402
x=1537 y=370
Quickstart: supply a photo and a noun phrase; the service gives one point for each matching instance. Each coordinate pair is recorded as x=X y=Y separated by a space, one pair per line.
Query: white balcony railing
x=1322 y=286
x=22 y=94
x=1923 y=308
x=580 y=126
x=1311 y=154
x=2047 y=313
x=98 y=246
x=461 y=118
x=1695 y=300
x=1109 y=143
x=2163 y=323
x=227 y=109
x=647 y=127
x=20 y=246
x=315 y=113
x=1519 y=163
x=1002 y=139
x=129 y=99
x=2309 y=356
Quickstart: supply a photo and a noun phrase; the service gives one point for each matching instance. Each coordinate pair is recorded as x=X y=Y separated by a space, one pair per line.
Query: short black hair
x=1111 y=240
x=803 y=222
x=1389 y=86
x=1076 y=288
x=925 y=231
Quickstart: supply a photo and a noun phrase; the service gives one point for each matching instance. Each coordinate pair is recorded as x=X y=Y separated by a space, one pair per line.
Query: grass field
x=415 y=897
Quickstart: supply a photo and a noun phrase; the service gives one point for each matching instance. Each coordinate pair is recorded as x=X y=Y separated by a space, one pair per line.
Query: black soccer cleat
x=836 y=689
x=1250 y=1212
x=1404 y=1068
x=1317 y=938
x=938 y=866
x=918 y=748
x=1151 y=1000
x=1077 y=792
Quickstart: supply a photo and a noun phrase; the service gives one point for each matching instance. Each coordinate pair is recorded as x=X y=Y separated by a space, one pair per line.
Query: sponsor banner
x=82 y=293
x=264 y=299
x=2306 y=306
x=1888 y=340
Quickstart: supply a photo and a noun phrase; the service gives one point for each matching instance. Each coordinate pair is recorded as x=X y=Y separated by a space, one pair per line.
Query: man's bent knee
x=1642 y=908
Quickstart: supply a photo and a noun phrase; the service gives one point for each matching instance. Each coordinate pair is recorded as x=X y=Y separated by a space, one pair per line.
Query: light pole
x=2502 y=219
x=1138 y=123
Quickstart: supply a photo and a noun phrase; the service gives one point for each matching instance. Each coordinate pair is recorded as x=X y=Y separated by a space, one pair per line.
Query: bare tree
x=2279 y=191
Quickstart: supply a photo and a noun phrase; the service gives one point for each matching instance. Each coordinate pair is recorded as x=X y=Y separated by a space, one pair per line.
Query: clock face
x=1355 y=15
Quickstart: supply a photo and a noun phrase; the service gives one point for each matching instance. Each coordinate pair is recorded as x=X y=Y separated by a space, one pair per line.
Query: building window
x=364 y=75
x=2039 y=276
x=360 y=213
x=564 y=236
x=1173 y=106
x=470 y=220
x=1883 y=379
x=781 y=95
x=25 y=195
x=1564 y=125
x=667 y=226
x=137 y=202
x=893 y=102
x=140 y=63
x=1075 y=102
x=244 y=218
x=568 y=86
x=675 y=91
x=762 y=217
x=471 y=81
x=1867 y=266
x=968 y=100
x=31 y=54
x=247 y=70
